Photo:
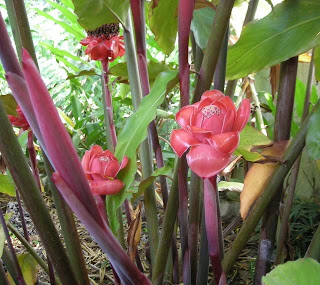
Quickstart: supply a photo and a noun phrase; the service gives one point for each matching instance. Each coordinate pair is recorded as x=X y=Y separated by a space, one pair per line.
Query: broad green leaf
x=7 y=186
x=166 y=170
x=23 y=140
x=313 y=135
x=66 y=12
x=94 y=13
x=132 y=135
x=317 y=62
x=201 y=25
x=231 y=186
x=289 y=30
x=89 y=72
x=29 y=269
x=10 y=104
x=304 y=271
x=163 y=20
x=249 y=138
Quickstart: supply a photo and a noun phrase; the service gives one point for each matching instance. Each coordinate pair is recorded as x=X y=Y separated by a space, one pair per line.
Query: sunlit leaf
x=7 y=186
x=163 y=20
x=29 y=269
x=10 y=104
x=95 y=13
x=304 y=271
x=313 y=136
x=289 y=30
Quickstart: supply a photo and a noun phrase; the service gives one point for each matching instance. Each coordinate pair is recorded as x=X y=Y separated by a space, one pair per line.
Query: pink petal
x=183 y=117
x=205 y=161
x=59 y=147
x=225 y=143
x=213 y=95
x=124 y=162
x=242 y=116
x=228 y=123
x=106 y=187
x=181 y=140
x=112 y=169
x=199 y=133
x=99 y=52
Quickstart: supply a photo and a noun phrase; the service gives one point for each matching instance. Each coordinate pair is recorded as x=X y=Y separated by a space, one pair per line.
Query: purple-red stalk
x=137 y=7
x=33 y=159
x=108 y=100
x=212 y=225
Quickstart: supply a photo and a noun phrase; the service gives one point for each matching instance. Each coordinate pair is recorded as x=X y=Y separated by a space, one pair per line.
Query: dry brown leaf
x=258 y=175
x=134 y=233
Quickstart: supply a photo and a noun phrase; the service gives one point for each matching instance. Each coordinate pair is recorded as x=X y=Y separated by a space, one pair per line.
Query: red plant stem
x=23 y=221
x=33 y=159
x=108 y=106
x=213 y=225
x=20 y=278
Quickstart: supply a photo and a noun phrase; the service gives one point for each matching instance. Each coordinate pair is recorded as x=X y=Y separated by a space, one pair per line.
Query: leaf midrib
x=261 y=43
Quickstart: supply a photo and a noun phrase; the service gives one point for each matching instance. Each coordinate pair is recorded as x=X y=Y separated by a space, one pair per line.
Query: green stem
x=27 y=187
x=9 y=264
x=314 y=247
x=3 y=275
x=30 y=249
x=145 y=156
x=270 y=190
x=167 y=230
x=212 y=51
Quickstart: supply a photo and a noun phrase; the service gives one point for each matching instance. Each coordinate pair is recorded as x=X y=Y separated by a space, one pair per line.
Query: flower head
x=104 y=43
x=20 y=120
x=101 y=167
x=211 y=129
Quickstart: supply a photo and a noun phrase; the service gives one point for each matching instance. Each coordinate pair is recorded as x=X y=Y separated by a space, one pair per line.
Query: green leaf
x=166 y=170
x=29 y=269
x=94 y=13
x=133 y=134
x=313 y=135
x=10 y=104
x=304 y=271
x=7 y=186
x=201 y=25
x=231 y=186
x=289 y=30
x=250 y=137
x=163 y=21
x=89 y=72
x=66 y=12
x=317 y=63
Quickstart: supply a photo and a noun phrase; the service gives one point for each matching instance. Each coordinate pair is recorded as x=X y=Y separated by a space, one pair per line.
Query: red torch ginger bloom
x=211 y=129
x=20 y=120
x=101 y=167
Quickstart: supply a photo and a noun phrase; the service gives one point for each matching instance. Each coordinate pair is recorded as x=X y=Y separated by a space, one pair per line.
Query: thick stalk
x=167 y=230
x=107 y=108
x=9 y=264
x=33 y=158
x=194 y=222
x=68 y=229
x=288 y=73
x=23 y=178
x=14 y=258
x=220 y=72
x=215 y=41
x=137 y=7
x=20 y=26
x=294 y=174
x=146 y=162
x=203 y=267
x=213 y=222
x=271 y=189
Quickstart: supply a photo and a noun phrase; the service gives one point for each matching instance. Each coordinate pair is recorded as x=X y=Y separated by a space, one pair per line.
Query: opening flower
x=101 y=167
x=20 y=120
x=211 y=129
x=104 y=43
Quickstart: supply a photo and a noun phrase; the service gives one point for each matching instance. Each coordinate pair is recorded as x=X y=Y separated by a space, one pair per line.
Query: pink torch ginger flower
x=210 y=128
x=101 y=167
x=20 y=120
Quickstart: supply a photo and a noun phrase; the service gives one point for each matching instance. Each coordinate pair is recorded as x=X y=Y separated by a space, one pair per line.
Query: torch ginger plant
x=210 y=128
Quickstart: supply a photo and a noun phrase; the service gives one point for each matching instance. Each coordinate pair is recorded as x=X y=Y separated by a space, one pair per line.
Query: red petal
x=205 y=161
x=228 y=123
x=226 y=142
x=213 y=95
x=112 y=169
x=181 y=140
x=124 y=162
x=242 y=116
x=183 y=117
x=99 y=52
x=199 y=133
x=106 y=187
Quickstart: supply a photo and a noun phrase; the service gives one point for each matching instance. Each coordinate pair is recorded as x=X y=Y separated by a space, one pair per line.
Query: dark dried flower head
x=105 y=32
